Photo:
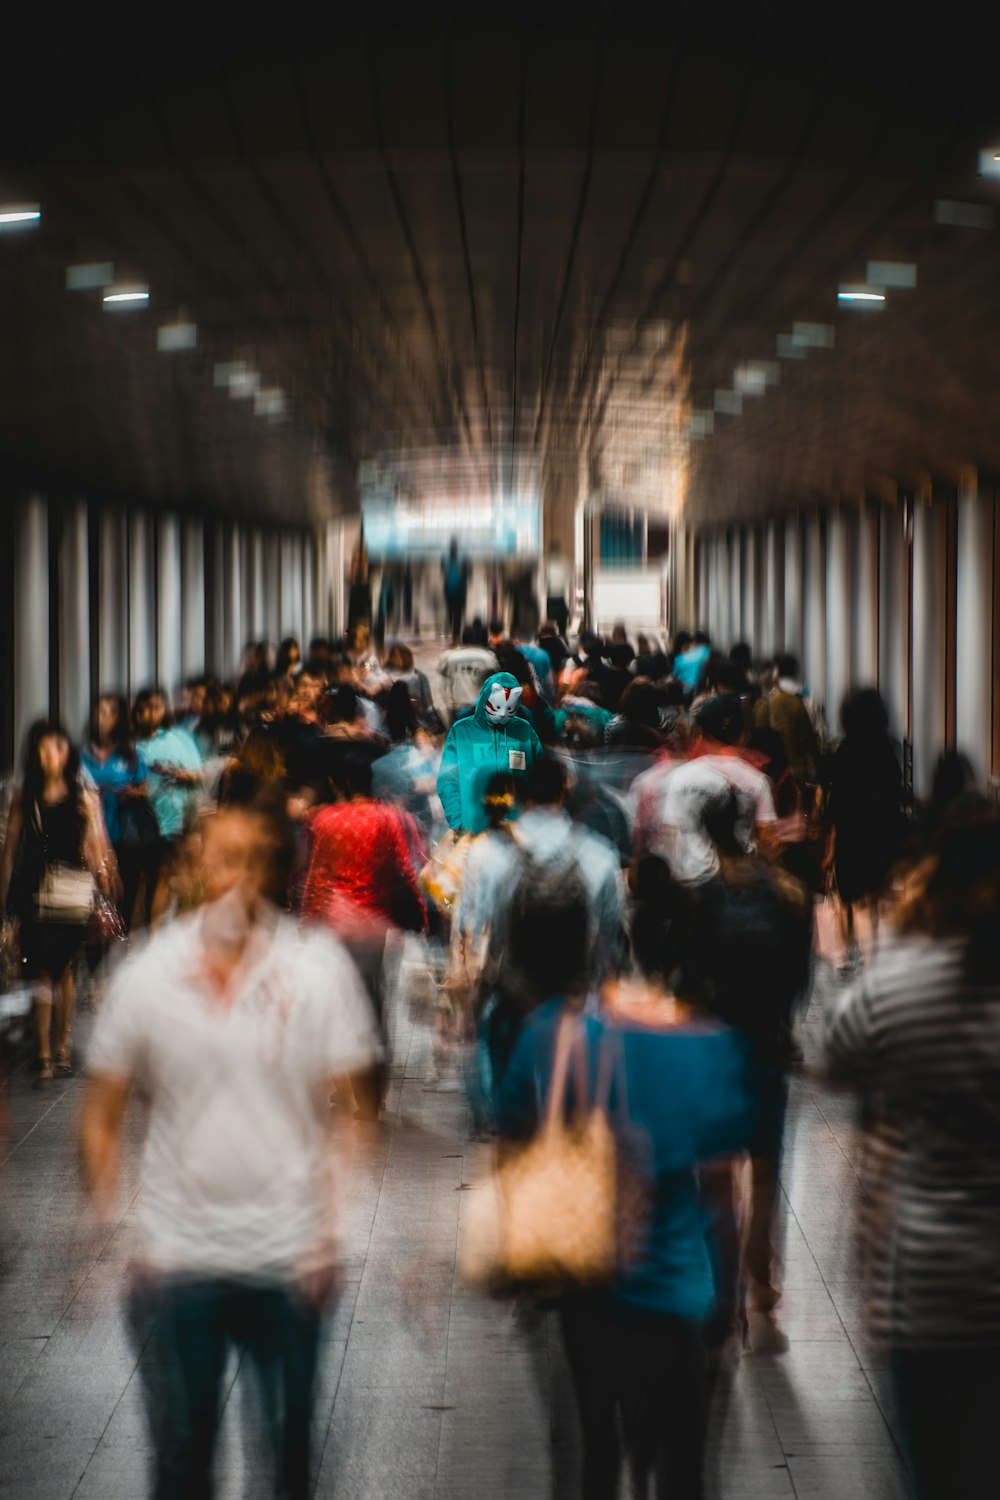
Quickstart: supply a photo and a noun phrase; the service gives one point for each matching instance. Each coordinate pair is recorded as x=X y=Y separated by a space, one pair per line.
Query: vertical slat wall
x=903 y=595
x=104 y=599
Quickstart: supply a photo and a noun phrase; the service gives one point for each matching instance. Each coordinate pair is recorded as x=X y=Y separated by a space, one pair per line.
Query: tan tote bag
x=547 y=1213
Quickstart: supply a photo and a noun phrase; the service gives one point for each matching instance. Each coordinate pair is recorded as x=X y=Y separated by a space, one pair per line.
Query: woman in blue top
x=637 y=1345
x=119 y=771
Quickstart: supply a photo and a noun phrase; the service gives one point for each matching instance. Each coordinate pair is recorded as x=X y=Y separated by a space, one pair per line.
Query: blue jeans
x=183 y=1359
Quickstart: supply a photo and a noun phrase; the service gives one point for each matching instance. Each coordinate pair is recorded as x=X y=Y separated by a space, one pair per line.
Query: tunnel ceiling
x=501 y=231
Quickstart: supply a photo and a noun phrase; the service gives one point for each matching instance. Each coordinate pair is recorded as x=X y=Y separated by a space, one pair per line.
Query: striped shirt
x=926 y=1042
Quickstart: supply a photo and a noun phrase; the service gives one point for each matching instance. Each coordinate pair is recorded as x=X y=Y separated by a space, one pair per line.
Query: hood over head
x=498 y=700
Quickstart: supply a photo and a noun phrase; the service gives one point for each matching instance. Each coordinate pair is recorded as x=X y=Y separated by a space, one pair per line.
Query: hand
x=321 y=1285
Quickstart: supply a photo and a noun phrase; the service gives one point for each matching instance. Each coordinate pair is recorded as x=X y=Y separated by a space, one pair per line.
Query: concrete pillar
x=704 y=563
x=814 y=612
x=840 y=587
x=976 y=666
x=865 y=596
x=894 y=616
x=74 y=619
x=113 y=614
x=792 y=587
x=272 y=587
x=735 y=615
x=258 y=612
x=309 y=623
x=169 y=650
x=930 y=547
x=232 y=641
x=193 y=657
x=31 y=618
x=141 y=602
x=750 y=590
x=772 y=617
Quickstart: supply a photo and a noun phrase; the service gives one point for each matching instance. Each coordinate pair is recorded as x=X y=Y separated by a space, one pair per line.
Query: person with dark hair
x=55 y=855
x=865 y=809
x=919 y=1033
x=675 y=830
x=748 y=960
x=174 y=761
x=637 y=722
x=783 y=709
x=636 y=1345
x=651 y=660
x=407 y=774
x=546 y=849
x=289 y=658
x=558 y=588
x=691 y=659
x=119 y=770
x=455 y=571
x=463 y=670
x=238 y=1027
x=400 y=667
x=361 y=882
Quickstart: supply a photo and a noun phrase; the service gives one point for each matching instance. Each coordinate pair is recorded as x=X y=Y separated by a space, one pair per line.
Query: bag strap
x=570 y=1045
x=611 y=1068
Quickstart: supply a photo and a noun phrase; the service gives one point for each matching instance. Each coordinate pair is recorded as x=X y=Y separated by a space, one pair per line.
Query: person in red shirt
x=361 y=883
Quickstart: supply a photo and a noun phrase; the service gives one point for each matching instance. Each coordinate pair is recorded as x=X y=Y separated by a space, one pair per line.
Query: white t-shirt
x=680 y=838
x=465 y=669
x=557 y=578
x=234 y=1176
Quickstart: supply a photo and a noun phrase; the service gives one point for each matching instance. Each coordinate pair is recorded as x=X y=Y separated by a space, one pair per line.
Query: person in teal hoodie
x=495 y=738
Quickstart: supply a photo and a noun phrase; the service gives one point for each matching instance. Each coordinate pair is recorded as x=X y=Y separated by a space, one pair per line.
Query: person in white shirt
x=558 y=586
x=465 y=668
x=236 y=1026
x=676 y=831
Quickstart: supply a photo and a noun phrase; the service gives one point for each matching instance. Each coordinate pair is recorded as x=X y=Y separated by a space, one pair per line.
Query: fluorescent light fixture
x=269 y=402
x=728 y=403
x=91 y=277
x=989 y=162
x=898 y=273
x=126 y=296
x=174 y=336
x=812 y=335
x=701 y=423
x=787 y=348
x=18 y=215
x=243 y=384
x=963 y=215
x=859 y=294
x=753 y=378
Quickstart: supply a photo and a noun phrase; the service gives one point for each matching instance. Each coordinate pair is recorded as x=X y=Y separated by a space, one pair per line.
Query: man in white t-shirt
x=676 y=831
x=236 y=1026
x=465 y=668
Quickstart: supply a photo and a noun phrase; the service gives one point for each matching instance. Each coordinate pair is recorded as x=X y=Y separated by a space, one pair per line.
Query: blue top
x=689 y=667
x=475 y=751
x=171 y=802
x=111 y=777
x=689 y=1102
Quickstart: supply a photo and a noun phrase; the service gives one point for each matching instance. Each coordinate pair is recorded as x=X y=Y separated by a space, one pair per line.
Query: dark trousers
x=194 y=1323
x=651 y=1370
x=456 y=614
x=133 y=865
x=557 y=610
x=948 y=1401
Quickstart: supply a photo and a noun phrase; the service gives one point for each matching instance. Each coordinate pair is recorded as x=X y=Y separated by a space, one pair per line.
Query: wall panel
x=74 y=619
x=31 y=616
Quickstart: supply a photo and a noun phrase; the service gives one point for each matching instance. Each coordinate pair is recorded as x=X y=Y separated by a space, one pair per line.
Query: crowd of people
x=610 y=848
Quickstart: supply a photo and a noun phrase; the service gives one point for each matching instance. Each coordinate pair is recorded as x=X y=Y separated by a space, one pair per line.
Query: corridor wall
x=110 y=599
x=904 y=596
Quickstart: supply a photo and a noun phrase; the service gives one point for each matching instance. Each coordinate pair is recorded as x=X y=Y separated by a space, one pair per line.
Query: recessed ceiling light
x=894 y=273
x=16 y=216
x=859 y=294
x=243 y=384
x=174 y=336
x=87 y=278
x=126 y=296
x=989 y=162
x=269 y=402
x=812 y=335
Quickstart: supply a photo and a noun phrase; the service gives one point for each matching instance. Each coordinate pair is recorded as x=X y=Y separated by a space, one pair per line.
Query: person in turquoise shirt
x=174 y=761
x=682 y=1102
x=492 y=740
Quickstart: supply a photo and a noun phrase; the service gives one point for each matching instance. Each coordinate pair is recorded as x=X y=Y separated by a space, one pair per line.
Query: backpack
x=540 y=883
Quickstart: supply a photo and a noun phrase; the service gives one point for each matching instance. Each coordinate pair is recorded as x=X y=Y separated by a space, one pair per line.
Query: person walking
x=119 y=771
x=238 y=1026
x=919 y=1034
x=54 y=859
x=455 y=572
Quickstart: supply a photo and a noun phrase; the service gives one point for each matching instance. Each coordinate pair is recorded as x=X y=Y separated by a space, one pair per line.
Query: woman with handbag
x=679 y=1101
x=54 y=859
x=120 y=772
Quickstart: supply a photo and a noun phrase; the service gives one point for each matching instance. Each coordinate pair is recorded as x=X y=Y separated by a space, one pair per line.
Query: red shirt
x=361 y=878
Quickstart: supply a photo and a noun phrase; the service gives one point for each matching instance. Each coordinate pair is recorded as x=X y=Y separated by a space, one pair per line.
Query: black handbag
x=140 y=831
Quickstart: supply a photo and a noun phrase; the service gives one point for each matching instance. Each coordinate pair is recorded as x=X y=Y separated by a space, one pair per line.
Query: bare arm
x=100 y=1140
x=15 y=823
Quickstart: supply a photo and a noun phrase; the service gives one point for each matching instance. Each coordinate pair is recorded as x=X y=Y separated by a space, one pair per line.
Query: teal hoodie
x=474 y=751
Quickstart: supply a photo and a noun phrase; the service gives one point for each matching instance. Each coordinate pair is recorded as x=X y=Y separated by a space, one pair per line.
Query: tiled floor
x=426 y=1389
